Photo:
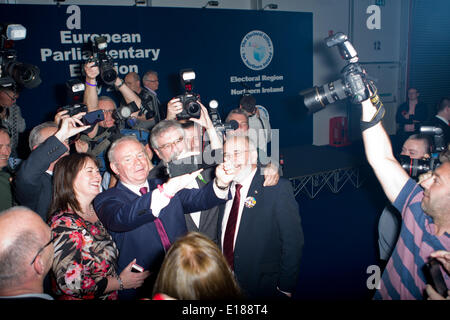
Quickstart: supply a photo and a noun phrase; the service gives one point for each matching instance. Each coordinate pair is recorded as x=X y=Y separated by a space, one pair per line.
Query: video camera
x=190 y=100
x=13 y=73
x=416 y=167
x=353 y=82
x=104 y=62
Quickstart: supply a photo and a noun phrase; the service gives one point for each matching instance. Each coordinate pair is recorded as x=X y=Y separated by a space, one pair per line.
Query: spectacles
x=171 y=144
x=108 y=111
x=235 y=154
x=42 y=249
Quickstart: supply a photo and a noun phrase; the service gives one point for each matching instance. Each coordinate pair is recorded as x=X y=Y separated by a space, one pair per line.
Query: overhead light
x=211 y=4
x=270 y=6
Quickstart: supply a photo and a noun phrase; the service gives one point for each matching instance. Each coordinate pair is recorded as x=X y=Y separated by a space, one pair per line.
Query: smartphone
x=136 y=268
x=434 y=277
x=91 y=118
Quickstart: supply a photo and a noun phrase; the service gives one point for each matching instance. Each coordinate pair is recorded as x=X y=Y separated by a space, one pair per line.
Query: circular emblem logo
x=256 y=50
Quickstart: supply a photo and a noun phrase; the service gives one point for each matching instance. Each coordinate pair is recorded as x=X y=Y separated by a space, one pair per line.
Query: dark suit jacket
x=33 y=186
x=436 y=122
x=420 y=114
x=269 y=241
x=129 y=220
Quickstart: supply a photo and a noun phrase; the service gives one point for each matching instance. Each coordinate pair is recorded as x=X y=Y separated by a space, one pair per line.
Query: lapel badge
x=250 y=202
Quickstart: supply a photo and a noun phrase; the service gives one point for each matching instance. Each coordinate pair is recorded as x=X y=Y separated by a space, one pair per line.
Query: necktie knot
x=143 y=190
x=238 y=187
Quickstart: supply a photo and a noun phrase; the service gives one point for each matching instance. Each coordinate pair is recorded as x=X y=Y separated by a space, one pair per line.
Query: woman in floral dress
x=84 y=264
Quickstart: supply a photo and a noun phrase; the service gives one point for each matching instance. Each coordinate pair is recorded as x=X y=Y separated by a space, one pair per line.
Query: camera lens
x=108 y=75
x=193 y=108
x=318 y=98
x=24 y=74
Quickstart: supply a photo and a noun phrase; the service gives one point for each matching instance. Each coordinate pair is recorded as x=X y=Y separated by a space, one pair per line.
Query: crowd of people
x=112 y=223
x=94 y=212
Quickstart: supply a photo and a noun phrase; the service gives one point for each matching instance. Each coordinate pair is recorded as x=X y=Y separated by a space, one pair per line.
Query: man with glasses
x=11 y=118
x=260 y=230
x=150 y=81
x=26 y=254
x=145 y=216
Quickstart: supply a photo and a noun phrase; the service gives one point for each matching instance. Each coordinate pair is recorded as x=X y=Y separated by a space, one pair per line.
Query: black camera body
x=74 y=109
x=15 y=74
x=104 y=62
x=416 y=167
x=353 y=82
x=147 y=104
x=125 y=111
x=190 y=100
x=191 y=106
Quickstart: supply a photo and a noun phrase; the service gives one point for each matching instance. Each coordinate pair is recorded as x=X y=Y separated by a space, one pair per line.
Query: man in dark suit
x=144 y=216
x=260 y=228
x=33 y=184
x=442 y=118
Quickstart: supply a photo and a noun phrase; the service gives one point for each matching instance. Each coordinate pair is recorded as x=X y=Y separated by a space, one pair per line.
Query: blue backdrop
x=217 y=44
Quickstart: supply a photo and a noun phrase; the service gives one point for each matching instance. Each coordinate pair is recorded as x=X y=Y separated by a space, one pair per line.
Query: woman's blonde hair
x=195 y=269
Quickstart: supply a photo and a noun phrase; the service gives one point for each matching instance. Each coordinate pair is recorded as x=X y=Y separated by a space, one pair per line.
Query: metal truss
x=335 y=179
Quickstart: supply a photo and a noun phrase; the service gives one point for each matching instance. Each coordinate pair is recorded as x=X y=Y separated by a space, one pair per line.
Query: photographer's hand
x=205 y=122
x=91 y=71
x=69 y=128
x=61 y=115
x=174 y=107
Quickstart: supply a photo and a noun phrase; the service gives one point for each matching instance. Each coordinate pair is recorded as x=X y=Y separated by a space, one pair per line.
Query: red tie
x=159 y=227
x=228 y=240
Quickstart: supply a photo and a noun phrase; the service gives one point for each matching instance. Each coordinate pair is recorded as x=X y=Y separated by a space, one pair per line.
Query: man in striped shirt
x=425 y=210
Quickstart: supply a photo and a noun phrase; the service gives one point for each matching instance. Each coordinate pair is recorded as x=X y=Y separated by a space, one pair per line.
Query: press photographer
x=148 y=114
x=14 y=76
x=415 y=165
x=113 y=126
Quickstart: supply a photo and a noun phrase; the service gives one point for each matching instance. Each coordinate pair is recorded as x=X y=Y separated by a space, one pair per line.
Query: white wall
x=348 y=16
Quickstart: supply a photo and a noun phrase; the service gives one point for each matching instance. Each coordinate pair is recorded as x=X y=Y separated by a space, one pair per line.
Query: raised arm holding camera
x=425 y=213
x=424 y=208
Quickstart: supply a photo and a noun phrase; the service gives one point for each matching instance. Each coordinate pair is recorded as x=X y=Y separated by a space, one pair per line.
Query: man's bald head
x=22 y=234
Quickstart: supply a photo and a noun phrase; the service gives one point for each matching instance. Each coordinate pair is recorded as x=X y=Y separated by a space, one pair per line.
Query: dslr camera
x=103 y=61
x=13 y=73
x=190 y=100
x=353 y=82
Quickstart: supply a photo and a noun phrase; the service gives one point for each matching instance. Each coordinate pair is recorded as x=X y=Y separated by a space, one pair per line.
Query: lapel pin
x=250 y=202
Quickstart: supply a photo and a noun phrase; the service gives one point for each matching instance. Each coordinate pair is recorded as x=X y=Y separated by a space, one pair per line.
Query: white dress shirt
x=244 y=190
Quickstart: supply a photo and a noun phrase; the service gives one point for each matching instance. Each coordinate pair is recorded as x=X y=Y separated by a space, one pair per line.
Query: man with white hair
x=261 y=233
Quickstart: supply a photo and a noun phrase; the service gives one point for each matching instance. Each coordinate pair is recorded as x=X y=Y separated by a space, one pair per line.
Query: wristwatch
x=121 y=84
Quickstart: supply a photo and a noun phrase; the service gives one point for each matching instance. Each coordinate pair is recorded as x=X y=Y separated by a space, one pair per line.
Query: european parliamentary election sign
x=268 y=54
